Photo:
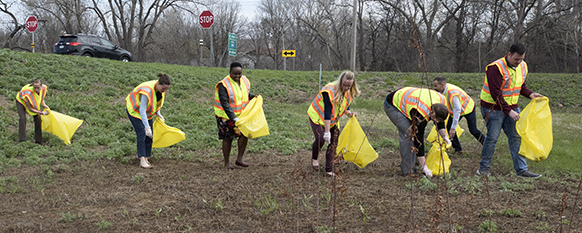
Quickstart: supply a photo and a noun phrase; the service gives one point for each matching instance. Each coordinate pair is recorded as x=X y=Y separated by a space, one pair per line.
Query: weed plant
x=487 y=226
x=104 y=224
x=423 y=184
x=9 y=184
x=267 y=204
x=68 y=217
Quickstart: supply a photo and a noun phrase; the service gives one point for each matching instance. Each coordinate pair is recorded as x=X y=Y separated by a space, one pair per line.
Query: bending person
x=411 y=105
x=329 y=105
x=231 y=96
x=460 y=105
x=28 y=100
x=142 y=104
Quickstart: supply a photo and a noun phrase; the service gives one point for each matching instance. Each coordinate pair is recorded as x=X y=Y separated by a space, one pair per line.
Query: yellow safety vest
x=512 y=81
x=316 y=110
x=132 y=101
x=421 y=99
x=27 y=94
x=238 y=96
x=467 y=104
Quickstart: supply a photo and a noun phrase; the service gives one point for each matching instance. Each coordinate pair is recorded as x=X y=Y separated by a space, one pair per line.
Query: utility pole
x=354 y=36
x=284 y=58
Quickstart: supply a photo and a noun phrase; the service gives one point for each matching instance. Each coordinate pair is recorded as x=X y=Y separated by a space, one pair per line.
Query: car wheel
x=87 y=55
x=124 y=59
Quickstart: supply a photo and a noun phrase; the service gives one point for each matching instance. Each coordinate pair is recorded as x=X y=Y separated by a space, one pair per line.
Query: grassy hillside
x=94 y=90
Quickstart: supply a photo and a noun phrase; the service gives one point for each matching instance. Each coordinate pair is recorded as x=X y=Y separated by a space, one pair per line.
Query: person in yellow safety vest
x=410 y=106
x=231 y=96
x=142 y=103
x=460 y=105
x=504 y=82
x=332 y=101
x=28 y=100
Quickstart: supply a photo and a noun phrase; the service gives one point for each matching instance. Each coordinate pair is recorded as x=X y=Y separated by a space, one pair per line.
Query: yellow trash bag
x=535 y=128
x=432 y=136
x=354 y=145
x=433 y=159
x=60 y=125
x=165 y=135
x=252 y=122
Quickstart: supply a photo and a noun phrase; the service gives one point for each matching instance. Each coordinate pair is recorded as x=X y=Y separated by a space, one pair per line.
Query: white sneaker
x=143 y=163
x=315 y=164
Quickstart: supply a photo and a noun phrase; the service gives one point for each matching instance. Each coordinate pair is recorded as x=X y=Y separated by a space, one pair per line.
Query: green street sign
x=231 y=44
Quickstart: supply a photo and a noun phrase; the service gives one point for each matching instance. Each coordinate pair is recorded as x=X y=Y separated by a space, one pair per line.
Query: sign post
x=206 y=19
x=231 y=44
x=31 y=25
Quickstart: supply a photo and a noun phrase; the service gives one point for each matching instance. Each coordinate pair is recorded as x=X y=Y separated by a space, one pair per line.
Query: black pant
x=472 y=124
x=22 y=124
x=318 y=131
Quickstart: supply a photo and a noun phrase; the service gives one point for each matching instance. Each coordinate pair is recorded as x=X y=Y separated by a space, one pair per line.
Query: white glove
x=160 y=116
x=44 y=113
x=235 y=119
x=327 y=137
x=447 y=140
x=427 y=171
x=148 y=131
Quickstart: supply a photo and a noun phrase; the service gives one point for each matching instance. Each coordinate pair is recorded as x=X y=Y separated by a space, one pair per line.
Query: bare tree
x=430 y=18
x=72 y=15
x=271 y=26
x=228 y=19
x=177 y=41
x=17 y=27
x=132 y=22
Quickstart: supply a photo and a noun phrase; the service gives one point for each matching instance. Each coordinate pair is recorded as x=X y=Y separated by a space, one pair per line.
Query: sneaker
x=528 y=174
x=483 y=173
x=315 y=164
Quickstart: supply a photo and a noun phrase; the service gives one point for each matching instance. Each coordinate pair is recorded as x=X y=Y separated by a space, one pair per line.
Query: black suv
x=91 y=46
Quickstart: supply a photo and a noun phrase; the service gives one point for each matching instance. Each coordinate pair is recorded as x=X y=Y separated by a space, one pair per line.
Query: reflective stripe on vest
x=27 y=93
x=238 y=96
x=421 y=99
x=316 y=110
x=512 y=81
x=133 y=101
x=467 y=104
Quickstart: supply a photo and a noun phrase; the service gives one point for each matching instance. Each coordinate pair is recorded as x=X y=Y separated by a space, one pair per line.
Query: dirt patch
x=277 y=193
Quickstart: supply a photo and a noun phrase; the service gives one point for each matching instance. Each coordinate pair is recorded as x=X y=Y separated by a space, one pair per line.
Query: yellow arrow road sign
x=288 y=53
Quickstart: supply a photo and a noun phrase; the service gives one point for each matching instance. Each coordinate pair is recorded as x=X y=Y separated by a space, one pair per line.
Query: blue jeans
x=144 y=143
x=499 y=120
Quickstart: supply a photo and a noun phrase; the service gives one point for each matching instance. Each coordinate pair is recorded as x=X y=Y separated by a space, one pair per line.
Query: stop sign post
x=206 y=19
x=31 y=25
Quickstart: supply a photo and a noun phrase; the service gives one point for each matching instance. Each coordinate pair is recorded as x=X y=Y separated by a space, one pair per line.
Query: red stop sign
x=31 y=24
x=206 y=19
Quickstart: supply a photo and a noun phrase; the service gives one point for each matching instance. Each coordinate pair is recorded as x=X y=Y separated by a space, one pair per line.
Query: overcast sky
x=248 y=8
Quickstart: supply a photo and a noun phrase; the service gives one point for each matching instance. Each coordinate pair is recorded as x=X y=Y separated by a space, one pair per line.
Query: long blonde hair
x=337 y=84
